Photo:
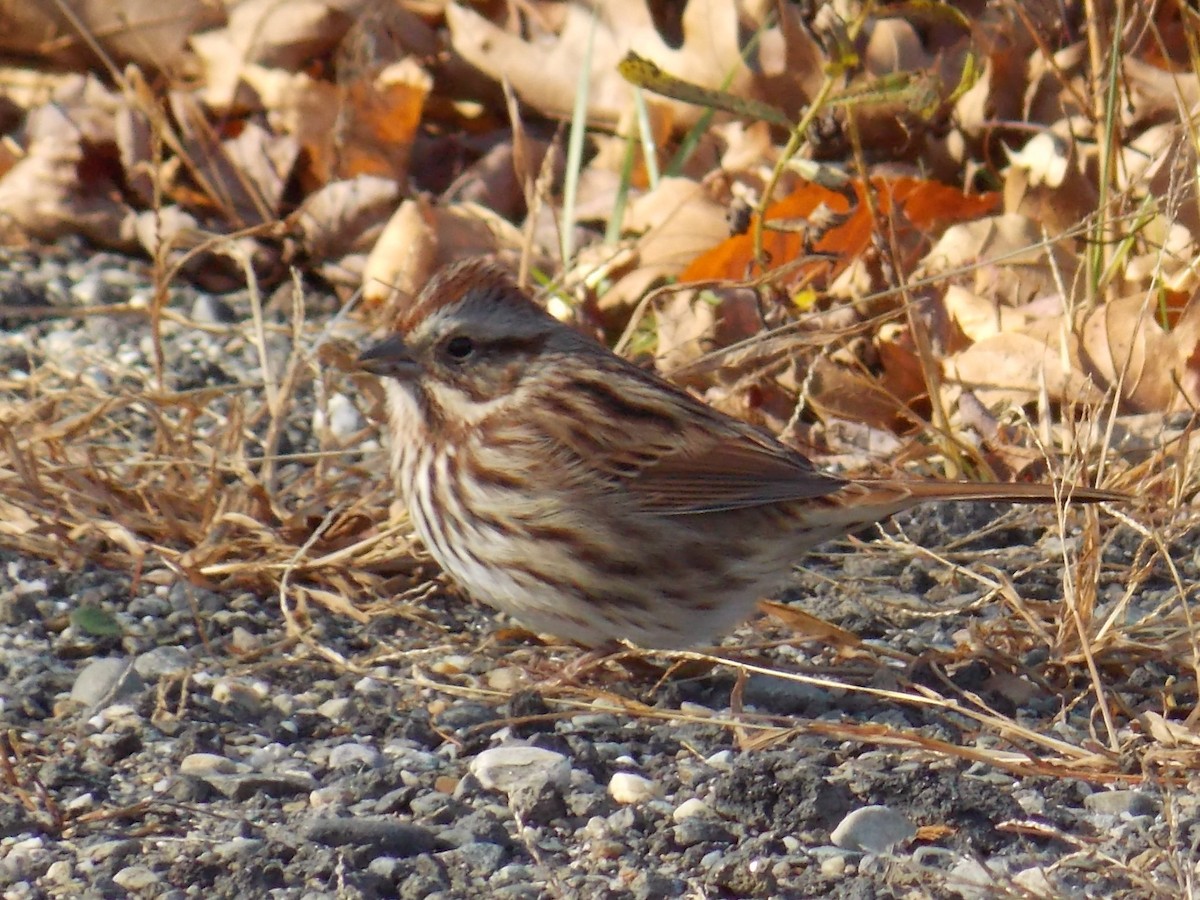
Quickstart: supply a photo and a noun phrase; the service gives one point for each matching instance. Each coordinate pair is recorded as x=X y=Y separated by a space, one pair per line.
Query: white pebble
x=833 y=866
x=203 y=764
x=335 y=708
x=722 y=760
x=872 y=829
x=506 y=678
x=693 y=806
x=505 y=768
x=136 y=879
x=627 y=787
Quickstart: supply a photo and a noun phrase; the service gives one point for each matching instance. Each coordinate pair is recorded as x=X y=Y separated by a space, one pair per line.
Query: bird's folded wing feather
x=725 y=471
x=658 y=449
x=671 y=454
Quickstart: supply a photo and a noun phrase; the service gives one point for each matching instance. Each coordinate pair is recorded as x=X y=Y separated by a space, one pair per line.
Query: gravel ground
x=175 y=742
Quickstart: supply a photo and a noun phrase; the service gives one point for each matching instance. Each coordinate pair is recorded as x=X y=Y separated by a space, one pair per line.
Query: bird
x=591 y=499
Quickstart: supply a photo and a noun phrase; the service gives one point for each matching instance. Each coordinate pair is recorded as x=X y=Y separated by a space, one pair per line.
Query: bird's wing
x=672 y=454
x=727 y=470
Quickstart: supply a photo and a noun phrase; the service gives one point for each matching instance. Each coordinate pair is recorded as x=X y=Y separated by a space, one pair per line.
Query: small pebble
x=335 y=708
x=506 y=768
x=693 y=806
x=833 y=866
x=386 y=836
x=1035 y=882
x=244 y=692
x=243 y=787
x=722 y=760
x=1116 y=803
x=59 y=871
x=209 y=309
x=972 y=880
x=161 y=662
x=243 y=641
x=201 y=765
x=136 y=879
x=506 y=679
x=872 y=829
x=354 y=754
x=628 y=787
x=105 y=681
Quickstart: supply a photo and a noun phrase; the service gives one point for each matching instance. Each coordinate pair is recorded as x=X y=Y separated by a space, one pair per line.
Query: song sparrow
x=589 y=498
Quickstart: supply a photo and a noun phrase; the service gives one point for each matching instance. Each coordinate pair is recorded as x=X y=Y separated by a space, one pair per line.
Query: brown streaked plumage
x=591 y=499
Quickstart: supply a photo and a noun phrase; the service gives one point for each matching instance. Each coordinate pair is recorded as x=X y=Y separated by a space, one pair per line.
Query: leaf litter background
x=974 y=258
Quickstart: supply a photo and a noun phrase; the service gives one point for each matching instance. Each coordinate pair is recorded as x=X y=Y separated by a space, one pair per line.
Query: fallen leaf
x=402 y=260
x=544 y=71
x=1154 y=369
x=1009 y=369
x=345 y=217
x=914 y=207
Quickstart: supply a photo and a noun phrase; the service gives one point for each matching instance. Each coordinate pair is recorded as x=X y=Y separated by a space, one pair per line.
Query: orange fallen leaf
x=915 y=207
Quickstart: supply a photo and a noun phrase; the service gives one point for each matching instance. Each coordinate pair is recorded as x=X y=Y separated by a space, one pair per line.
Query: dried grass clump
x=186 y=484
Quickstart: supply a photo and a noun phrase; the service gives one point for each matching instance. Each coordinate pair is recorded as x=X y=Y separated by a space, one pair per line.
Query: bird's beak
x=389 y=358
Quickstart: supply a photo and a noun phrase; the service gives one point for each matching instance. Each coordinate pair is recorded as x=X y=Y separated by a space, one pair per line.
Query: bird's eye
x=460 y=347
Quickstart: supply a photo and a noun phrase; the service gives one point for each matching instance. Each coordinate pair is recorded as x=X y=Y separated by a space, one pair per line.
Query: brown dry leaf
x=298 y=104
x=379 y=120
x=837 y=392
x=499 y=178
x=1157 y=370
x=341 y=221
x=267 y=34
x=265 y=161
x=147 y=32
x=363 y=128
x=809 y=627
x=1155 y=95
x=28 y=88
x=894 y=46
x=676 y=221
x=465 y=229
x=448 y=232
x=1169 y=261
x=402 y=260
x=685 y=324
x=1004 y=452
x=791 y=63
x=1010 y=369
x=1170 y=733
x=1158 y=166
x=690 y=323
x=545 y=70
x=747 y=147
x=1056 y=85
x=1046 y=182
x=170 y=233
x=1005 y=256
x=240 y=177
x=980 y=318
x=67 y=178
x=930 y=66
x=903 y=376
x=1118 y=346
x=288 y=35
x=135 y=144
